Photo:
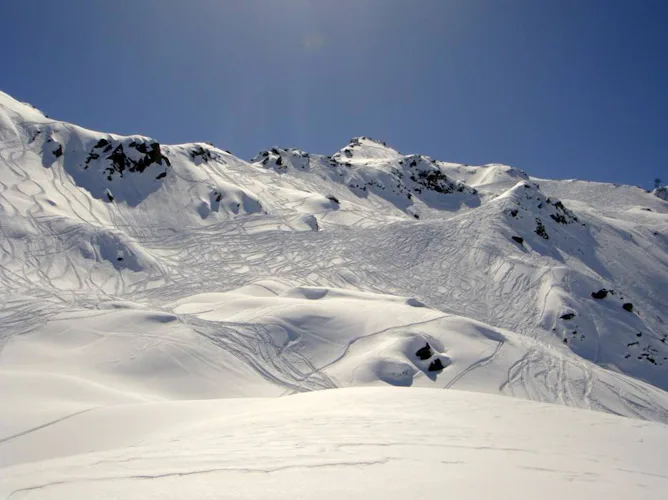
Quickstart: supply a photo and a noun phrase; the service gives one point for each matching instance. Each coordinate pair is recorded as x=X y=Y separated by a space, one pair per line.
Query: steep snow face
x=295 y=272
x=491 y=180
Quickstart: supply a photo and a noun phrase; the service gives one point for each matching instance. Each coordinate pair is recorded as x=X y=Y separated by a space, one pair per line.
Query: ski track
x=435 y=259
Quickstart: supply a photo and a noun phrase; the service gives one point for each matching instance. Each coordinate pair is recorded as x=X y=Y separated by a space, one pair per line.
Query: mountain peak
x=366 y=149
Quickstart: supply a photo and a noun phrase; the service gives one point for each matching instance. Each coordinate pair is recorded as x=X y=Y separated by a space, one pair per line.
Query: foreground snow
x=345 y=443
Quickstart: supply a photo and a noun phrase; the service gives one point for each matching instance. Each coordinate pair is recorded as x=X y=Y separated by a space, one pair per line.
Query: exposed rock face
x=562 y=215
x=119 y=158
x=436 y=366
x=425 y=352
x=540 y=229
x=202 y=154
x=367 y=166
x=427 y=175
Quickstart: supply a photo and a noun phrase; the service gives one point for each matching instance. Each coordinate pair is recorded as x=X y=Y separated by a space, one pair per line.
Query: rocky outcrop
x=120 y=157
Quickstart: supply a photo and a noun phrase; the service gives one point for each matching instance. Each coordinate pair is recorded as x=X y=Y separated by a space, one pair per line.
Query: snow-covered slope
x=136 y=277
x=347 y=443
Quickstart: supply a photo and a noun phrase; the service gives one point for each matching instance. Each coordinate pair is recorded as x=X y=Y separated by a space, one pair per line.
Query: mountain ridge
x=544 y=289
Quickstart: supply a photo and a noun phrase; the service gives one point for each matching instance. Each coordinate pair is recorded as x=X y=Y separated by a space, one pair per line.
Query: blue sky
x=560 y=88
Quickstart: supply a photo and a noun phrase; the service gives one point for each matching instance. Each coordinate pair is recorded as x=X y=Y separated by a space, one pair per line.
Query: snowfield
x=178 y=322
x=344 y=443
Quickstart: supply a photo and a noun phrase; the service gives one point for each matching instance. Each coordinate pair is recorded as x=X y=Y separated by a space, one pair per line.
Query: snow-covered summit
x=366 y=150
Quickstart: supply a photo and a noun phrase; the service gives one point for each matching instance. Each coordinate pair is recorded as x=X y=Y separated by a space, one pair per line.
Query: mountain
x=142 y=281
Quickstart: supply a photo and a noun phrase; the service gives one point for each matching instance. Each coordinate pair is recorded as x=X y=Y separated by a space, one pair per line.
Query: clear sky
x=560 y=88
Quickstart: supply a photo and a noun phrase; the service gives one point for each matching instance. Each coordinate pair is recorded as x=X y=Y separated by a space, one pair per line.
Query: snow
x=345 y=443
x=178 y=322
x=661 y=192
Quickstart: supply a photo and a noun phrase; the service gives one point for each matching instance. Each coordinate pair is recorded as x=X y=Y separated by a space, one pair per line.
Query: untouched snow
x=157 y=300
x=346 y=443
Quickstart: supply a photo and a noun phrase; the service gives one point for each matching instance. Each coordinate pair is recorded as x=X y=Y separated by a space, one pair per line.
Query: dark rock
x=628 y=306
x=563 y=215
x=567 y=316
x=518 y=239
x=436 y=366
x=333 y=199
x=199 y=152
x=424 y=352
x=435 y=180
x=160 y=176
x=601 y=294
x=58 y=152
x=36 y=134
x=540 y=230
x=120 y=161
